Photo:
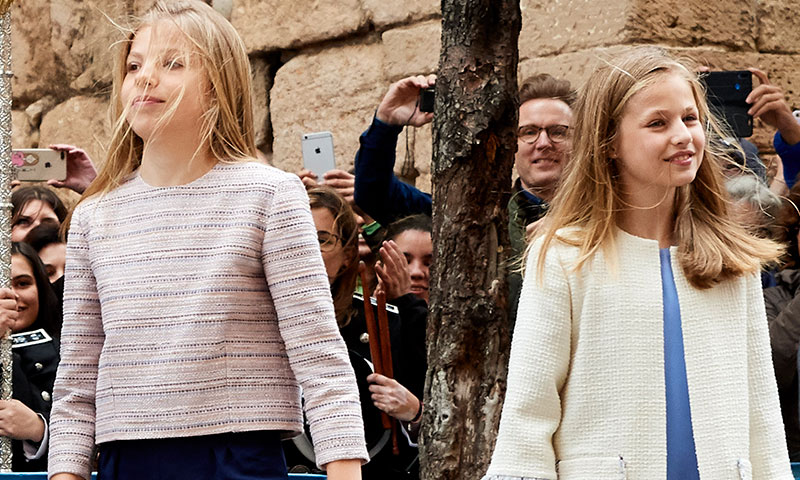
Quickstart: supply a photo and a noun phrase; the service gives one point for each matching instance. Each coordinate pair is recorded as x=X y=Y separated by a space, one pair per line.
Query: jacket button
x=46 y=396
x=38 y=366
x=364 y=338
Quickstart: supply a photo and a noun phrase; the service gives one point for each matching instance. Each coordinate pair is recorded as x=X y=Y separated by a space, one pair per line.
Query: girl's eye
x=690 y=118
x=132 y=67
x=656 y=123
x=173 y=64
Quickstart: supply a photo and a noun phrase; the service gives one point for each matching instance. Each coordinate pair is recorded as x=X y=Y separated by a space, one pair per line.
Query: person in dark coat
x=31 y=311
x=782 y=303
x=337 y=230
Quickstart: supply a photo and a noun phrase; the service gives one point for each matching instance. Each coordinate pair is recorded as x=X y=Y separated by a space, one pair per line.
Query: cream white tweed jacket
x=586 y=395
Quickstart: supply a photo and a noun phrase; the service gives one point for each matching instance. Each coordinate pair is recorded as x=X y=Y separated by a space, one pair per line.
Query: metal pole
x=5 y=209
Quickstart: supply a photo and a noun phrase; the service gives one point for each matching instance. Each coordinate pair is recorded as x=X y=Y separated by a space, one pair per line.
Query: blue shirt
x=681 y=456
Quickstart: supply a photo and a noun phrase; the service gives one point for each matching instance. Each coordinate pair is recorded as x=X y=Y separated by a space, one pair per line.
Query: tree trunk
x=474 y=140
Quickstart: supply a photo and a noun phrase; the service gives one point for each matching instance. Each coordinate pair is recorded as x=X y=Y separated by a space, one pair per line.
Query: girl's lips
x=139 y=101
x=682 y=158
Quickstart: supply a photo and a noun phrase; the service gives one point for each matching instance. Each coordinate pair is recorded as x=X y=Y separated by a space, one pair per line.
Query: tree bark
x=474 y=139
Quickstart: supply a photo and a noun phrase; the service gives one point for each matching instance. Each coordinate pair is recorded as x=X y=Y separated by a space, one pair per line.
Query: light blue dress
x=681 y=455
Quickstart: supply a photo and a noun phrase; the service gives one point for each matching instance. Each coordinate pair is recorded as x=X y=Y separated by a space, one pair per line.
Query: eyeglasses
x=530 y=133
x=327 y=240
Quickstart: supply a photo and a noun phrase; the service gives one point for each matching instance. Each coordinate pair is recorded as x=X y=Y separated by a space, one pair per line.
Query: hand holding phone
x=39 y=164
x=768 y=104
x=727 y=94
x=318 y=153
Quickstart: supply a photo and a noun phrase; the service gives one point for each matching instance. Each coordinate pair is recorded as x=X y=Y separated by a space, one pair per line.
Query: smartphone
x=726 y=93
x=318 y=153
x=39 y=164
x=427 y=98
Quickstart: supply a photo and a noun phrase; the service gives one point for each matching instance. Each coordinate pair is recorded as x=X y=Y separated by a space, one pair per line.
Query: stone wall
x=325 y=64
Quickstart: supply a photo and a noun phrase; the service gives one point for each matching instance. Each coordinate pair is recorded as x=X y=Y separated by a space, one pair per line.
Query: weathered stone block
x=275 y=24
x=385 y=13
x=777 y=26
x=731 y=23
x=37 y=69
x=573 y=66
x=80 y=121
x=559 y=26
x=412 y=50
x=83 y=37
x=262 y=82
x=334 y=90
x=22 y=134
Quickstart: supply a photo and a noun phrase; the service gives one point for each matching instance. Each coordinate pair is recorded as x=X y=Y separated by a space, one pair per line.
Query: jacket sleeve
x=377 y=190
x=537 y=370
x=72 y=419
x=790 y=156
x=783 y=318
x=317 y=354
x=768 y=453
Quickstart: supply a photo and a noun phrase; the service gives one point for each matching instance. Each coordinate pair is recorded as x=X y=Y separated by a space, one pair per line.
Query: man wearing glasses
x=543 y=147
x=545 y=116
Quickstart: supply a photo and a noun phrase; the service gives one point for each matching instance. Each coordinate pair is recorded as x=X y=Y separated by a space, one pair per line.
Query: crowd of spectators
x=368 y=216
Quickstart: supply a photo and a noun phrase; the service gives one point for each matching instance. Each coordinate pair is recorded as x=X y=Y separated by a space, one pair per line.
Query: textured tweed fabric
x=586 y=394
x=200 y=309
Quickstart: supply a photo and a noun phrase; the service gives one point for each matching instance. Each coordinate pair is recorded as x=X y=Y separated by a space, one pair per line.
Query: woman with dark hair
x=46 y=240
x=33 y=206
x=783 y=314
x=337 y=230
x=31 y=311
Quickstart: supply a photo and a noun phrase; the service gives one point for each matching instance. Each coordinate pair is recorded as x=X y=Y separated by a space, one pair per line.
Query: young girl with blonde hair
x=641 y=348
x=196 y=301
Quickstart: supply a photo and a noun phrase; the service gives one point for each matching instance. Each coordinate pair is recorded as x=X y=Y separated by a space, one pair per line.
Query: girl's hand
x=20 y=422
x=8 y=310
x=392 y=270
x=391 y=397
x=336 y=470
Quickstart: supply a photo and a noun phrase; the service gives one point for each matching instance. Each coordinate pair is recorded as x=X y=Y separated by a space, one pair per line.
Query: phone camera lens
x=737 y=86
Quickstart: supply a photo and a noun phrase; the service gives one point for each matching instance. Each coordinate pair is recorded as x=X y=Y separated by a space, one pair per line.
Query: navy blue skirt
x=227 y=456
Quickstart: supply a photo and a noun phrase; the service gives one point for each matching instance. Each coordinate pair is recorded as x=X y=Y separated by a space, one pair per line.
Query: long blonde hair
x=711 y=247
x=228 y=120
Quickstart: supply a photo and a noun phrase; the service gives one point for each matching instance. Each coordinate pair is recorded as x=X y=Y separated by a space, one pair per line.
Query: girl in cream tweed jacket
x=586 y=395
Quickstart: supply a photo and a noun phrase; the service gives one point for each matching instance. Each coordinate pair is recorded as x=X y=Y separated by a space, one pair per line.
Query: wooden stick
x=372 y=327
x=374 y=335
x=386 y=359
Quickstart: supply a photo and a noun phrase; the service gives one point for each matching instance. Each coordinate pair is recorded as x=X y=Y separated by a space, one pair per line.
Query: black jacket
x=783 y=314
x=34 y=372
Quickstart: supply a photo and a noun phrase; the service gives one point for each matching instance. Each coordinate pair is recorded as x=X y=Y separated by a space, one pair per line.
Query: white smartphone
x=39 y=164
x=318 y=153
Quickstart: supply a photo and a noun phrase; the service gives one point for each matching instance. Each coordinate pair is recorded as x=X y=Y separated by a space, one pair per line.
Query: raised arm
x=72 y=419
x=769 y=105
x=377 y=190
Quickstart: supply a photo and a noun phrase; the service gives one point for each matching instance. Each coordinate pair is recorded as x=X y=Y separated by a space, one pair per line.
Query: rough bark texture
x=474 y=145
